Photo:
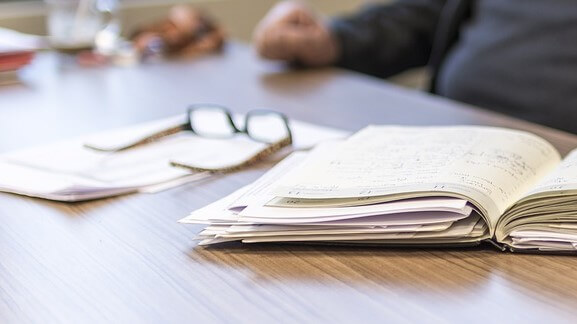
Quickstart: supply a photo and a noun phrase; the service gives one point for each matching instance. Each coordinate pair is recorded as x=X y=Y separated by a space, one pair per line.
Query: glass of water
x=75 y=25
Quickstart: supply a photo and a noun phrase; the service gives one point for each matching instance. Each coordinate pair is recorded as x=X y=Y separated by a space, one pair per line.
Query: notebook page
x=564 y=178
x=491 y=166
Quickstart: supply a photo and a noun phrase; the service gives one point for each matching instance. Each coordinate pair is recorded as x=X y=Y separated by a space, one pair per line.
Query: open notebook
x=68 y=171
x=410 y=186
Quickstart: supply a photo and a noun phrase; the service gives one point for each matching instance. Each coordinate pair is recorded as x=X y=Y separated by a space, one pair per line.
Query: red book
x=14 y=59
x=17 y=49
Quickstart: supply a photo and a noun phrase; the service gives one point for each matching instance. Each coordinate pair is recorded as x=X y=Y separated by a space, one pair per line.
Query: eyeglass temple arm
x=145 y=140
x=268 y=151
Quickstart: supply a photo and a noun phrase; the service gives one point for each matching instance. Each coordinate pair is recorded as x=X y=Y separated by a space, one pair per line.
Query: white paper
x=457 y=206
x=461 y=228
x=68 y=171
x=272 y=230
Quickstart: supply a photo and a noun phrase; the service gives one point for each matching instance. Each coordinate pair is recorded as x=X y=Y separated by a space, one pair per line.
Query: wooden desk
x=127 y=260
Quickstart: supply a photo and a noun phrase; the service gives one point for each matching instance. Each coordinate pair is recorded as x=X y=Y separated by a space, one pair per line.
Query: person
x=518 y=57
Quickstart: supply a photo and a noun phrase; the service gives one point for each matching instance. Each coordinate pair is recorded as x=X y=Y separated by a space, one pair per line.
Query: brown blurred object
x=185 y=32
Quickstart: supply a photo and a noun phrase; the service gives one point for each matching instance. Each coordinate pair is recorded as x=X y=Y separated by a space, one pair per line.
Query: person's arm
x=383 y=40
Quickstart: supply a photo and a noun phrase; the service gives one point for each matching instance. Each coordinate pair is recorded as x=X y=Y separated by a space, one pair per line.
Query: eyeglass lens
x=211 y=121
x=267 y=127
x=260 y=125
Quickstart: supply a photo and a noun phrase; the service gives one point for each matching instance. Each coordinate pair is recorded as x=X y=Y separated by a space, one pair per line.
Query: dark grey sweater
x=518 y=57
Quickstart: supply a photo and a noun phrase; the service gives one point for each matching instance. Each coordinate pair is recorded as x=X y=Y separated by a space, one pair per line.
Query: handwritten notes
x=491 y=166
x=564 y=178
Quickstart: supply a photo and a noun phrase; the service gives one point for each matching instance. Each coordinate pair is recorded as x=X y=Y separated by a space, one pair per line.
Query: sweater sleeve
x=383 y=40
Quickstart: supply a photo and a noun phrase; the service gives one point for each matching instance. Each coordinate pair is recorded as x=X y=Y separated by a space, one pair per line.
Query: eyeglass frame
x=270 y=149
x=234 y=127
x=188 y=127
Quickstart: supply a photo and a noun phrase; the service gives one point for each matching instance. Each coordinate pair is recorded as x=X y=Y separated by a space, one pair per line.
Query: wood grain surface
x=126 y=260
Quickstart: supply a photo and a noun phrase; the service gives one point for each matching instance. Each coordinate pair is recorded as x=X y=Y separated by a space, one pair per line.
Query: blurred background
x=239 y=17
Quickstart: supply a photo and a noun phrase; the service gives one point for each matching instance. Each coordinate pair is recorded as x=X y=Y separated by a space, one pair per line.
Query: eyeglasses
x=214 y=121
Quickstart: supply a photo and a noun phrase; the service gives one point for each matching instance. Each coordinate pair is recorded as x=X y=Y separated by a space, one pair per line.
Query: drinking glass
x=75 y=25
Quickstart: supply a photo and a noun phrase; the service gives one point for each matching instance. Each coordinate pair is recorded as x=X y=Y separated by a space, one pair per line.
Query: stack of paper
x=68 y=171
x=254 y=214
x=410 y=186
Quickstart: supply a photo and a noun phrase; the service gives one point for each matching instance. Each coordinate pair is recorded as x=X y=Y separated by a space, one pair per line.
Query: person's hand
x=291 y=32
